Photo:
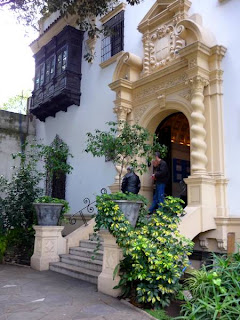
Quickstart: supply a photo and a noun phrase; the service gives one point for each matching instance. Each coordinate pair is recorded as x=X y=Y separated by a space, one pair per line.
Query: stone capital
x=122 y=112
x=198 y=83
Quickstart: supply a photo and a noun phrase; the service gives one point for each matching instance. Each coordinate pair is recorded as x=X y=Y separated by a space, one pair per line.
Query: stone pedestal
x=111 y=257
x=48 y=244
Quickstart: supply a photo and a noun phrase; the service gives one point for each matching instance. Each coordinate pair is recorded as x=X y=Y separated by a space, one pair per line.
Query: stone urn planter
x=48 y=213
x=130 y=209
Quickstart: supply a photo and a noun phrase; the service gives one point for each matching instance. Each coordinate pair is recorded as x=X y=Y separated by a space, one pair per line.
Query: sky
x=16 y=61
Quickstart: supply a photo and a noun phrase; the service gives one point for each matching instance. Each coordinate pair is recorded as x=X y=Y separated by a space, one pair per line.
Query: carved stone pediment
x=161 y=33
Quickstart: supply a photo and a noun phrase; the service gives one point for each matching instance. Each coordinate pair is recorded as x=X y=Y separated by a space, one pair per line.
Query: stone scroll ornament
x=164 y=45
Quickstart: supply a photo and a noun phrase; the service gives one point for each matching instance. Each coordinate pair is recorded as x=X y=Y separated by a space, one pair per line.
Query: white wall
x=91 y=174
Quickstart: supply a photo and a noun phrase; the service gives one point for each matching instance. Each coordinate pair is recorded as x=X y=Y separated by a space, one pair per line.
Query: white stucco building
x=174 y=68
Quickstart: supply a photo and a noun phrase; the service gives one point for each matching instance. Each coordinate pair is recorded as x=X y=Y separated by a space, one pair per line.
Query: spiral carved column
x=146 y=60
x=198 y=133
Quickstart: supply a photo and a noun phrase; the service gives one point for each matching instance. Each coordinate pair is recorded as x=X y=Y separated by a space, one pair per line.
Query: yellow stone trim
x=111 y=60
x=113 y=13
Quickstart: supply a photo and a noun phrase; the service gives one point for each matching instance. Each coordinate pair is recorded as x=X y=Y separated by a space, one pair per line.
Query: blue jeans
x=158 y=197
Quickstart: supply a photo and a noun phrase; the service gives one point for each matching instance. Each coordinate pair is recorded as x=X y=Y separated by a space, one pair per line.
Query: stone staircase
x=82 y=262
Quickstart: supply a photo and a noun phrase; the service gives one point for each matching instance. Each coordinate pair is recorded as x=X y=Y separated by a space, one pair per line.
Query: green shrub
x=155 y=254
x=17 y=213
x=123 y=144
x=159 y=314
x=215 y=292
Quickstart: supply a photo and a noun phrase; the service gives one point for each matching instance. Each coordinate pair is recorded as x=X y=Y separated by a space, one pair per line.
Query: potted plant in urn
x=126 y=146
x=50 y=210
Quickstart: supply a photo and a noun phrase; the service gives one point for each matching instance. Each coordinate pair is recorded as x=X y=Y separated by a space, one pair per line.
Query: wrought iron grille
x=113 y=42
x=88 y=208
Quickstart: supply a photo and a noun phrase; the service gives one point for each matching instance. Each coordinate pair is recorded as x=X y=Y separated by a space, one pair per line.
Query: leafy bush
x=159 y=314
x=155 y=254
x=17 y=213
x=215 y=292
x=125 y=145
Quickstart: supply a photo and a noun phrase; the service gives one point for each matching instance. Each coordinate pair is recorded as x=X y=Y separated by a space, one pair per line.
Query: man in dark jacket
x=160 y=176
x=131 y=182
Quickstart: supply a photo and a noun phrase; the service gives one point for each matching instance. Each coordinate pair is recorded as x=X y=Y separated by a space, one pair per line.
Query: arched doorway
x=174 y=132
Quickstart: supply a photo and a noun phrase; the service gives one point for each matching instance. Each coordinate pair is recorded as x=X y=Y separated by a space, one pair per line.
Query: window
x=49 y=69
x=39 y=78
x=46 y=71
x=114 y=41
x=61 y=60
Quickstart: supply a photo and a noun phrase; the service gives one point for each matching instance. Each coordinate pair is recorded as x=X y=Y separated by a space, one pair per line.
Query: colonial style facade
x=171 y=66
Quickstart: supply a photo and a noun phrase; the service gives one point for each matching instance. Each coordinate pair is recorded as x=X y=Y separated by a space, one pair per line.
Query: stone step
x=90 y=244
x=94 y=237
x=87 y=263
x=75 y=272
x=87 y=253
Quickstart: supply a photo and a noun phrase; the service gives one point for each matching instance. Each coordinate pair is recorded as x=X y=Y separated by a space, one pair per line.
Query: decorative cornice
x=225 y=221
x=113 y=13
x=161 y=74
x=163 y=11
x=195 y=48
x=111 y=60
x=121 y=83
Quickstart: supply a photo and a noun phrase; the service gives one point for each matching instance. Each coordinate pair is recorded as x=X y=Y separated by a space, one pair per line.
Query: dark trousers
x=158 y=197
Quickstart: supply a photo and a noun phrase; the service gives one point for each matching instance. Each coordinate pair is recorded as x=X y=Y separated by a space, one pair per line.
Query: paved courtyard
x=26 y=294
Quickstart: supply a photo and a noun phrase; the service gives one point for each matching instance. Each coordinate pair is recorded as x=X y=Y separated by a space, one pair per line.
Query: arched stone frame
x=150 y=120
x=189 y=81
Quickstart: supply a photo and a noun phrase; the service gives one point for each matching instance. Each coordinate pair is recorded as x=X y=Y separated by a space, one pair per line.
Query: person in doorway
x=160 y=177
x=131 y=182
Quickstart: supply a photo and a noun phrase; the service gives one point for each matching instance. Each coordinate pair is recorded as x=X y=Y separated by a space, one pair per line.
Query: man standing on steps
x=131 y=182
x=160 y=176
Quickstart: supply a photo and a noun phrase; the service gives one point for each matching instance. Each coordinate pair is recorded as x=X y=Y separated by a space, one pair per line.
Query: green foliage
x=159 y=314
x=55 y=157
x=155 y=253
x=125 y=145
x=124 y=196
x=28 y=12
x=48 y=199
x=215 y=292
x=3 y=246
x=17 y=103
x=17 y=213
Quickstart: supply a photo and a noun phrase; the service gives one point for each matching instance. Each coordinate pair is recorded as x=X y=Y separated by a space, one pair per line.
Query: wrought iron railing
x=88 y=208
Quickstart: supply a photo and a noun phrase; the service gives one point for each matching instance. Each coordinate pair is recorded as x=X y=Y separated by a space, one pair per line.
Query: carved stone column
x=146 y=60
x=112 y=255
x=198 y=132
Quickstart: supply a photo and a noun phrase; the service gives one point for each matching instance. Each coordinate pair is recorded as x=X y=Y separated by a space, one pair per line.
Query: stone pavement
x=26 y=294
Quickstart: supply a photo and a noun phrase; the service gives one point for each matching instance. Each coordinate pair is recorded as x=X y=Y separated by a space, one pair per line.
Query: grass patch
x=159 y=314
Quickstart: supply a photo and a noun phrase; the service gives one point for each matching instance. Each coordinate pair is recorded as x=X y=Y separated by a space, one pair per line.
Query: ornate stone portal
x=180 y=72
